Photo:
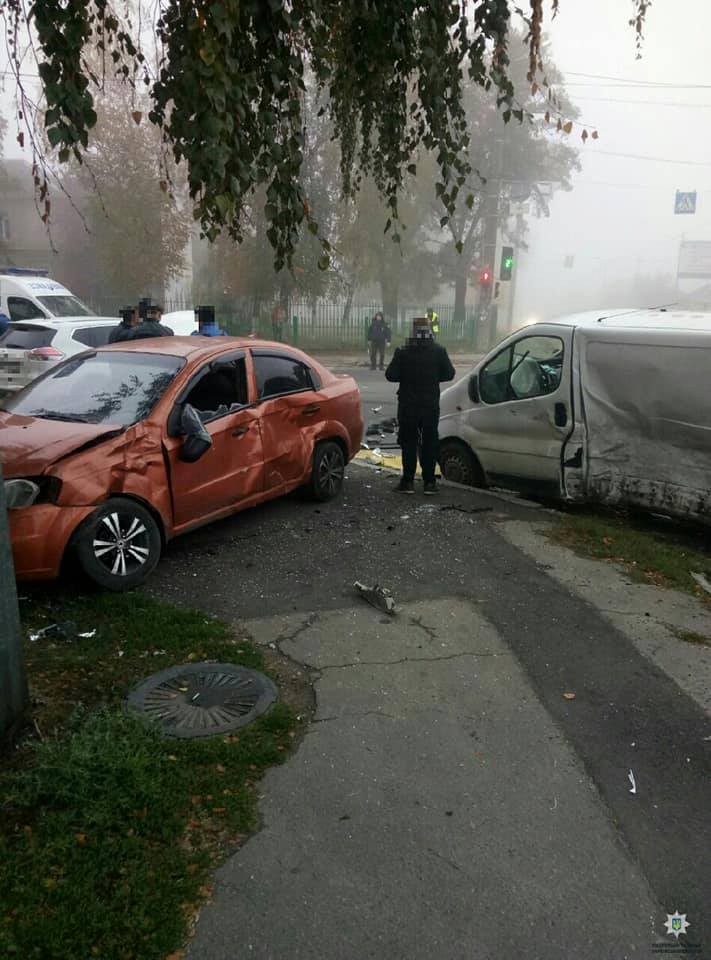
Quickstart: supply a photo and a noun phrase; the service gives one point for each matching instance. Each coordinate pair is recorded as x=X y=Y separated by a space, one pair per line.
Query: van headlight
x=24 y=492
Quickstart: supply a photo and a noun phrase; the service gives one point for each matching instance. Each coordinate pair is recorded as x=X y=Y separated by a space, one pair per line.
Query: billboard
x=694 y=260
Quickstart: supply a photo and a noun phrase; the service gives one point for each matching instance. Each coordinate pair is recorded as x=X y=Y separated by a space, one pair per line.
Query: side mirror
x=197 y=440
x=473 y=388
x=194 y=447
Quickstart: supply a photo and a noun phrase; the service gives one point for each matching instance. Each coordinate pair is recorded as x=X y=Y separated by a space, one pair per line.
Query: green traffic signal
x=507 y=262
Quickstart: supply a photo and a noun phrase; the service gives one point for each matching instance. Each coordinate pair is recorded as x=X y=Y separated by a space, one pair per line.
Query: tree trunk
x=460 y=299
x=389 y=292
x=347 y=305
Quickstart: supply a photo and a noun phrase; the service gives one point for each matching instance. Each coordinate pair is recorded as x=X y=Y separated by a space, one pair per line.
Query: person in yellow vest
x=433 y=318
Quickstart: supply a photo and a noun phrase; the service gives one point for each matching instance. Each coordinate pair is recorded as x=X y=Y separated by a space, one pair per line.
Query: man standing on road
x=378 y=336
x=419 y=367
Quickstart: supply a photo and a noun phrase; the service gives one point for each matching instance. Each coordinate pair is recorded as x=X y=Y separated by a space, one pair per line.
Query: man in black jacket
x=129 y=320
x=419 y=367
x=378 y=336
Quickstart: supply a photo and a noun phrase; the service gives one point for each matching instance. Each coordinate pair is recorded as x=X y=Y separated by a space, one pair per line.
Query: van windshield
x=65 y=306
x=105 y=387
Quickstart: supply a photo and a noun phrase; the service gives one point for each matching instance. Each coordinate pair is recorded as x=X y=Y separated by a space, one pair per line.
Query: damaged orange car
x=115 y=451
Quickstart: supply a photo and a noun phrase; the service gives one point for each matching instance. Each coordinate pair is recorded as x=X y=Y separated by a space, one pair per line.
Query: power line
x=643 y=103
x=636 y=156
x=630 y=81
x=631 y=186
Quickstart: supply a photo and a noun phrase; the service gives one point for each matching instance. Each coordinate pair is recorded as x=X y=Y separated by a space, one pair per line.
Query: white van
x=608 y=406
x=31 y=295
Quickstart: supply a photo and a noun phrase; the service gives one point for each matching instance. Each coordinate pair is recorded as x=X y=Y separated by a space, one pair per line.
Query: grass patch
x=689 y=636
x=110 y=830
x=651 y=555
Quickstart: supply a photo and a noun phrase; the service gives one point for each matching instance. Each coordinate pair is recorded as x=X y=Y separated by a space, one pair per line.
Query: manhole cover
x=203 y=699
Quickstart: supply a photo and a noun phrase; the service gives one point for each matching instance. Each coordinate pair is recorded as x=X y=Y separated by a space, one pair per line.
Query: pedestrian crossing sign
x=685 y=202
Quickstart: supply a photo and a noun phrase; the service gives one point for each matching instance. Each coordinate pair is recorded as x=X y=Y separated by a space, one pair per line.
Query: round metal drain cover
x=203 y=699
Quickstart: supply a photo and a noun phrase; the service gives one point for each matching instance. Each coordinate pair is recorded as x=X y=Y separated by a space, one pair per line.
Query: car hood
x=29 y=445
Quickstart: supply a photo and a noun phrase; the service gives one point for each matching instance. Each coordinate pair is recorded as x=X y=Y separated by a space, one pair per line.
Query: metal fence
x=333 y=324
x=338 y=325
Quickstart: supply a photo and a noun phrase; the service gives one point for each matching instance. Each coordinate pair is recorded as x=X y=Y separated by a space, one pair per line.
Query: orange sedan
x=115 y=451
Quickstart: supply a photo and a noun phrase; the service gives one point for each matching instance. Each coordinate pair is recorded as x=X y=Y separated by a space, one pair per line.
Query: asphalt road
x=448 y=801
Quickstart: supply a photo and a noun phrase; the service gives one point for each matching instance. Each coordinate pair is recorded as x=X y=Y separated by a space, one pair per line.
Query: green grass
x=650 y=555
x=110 y=830
x=690 y=636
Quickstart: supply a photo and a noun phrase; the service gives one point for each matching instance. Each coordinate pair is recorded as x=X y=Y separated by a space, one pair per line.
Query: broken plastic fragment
x=630 y=777
x=376 y=409
x=377 y=596
x=702 y=581
x=568 y=695
x=88 y=634
x=66 y=630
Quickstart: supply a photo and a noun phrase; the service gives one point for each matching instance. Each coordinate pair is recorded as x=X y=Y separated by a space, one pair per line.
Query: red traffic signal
x=485 y=277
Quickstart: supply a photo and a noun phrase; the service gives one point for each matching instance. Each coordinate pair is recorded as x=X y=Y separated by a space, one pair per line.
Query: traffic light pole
x=487 y=315
x=13 y=681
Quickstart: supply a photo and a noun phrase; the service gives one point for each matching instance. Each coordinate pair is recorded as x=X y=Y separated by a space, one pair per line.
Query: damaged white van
x=610 y=406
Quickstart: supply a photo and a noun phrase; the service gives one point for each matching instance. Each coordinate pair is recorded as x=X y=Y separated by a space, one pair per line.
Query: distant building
x=24 y=241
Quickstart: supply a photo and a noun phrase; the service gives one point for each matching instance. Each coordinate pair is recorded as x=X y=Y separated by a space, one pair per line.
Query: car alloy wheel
x=328 y=471
x=121 y=543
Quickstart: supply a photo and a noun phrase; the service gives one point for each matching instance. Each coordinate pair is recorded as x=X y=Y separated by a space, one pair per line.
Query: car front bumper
x=39 y=537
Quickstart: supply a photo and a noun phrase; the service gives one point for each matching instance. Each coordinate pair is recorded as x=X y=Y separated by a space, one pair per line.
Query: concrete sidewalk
x=434 y=810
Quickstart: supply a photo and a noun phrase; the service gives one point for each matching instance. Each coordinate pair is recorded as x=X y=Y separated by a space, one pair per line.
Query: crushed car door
x=291 y=408
x=232 y=469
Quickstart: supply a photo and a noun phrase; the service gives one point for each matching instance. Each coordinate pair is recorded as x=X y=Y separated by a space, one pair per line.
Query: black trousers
x=377 y=348
x=418 y=433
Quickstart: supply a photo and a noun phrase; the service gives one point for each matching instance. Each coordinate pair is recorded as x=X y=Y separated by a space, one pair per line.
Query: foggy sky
x=620 y=218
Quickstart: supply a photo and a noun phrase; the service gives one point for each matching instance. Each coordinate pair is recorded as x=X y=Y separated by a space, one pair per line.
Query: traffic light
x=485 y=277
x=507 y=262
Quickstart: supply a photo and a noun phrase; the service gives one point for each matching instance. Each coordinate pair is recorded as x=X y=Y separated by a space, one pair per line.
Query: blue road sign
x=685 y=202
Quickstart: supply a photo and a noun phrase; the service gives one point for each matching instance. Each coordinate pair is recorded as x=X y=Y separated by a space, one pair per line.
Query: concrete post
x=13 y=682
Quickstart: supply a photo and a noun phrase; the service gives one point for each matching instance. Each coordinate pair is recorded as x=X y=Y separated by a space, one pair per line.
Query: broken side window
x=222 y=390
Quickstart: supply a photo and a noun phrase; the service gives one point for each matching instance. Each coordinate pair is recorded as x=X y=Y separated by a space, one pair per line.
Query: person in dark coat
x=129 y=320
x=378 y=336
x=419 y=367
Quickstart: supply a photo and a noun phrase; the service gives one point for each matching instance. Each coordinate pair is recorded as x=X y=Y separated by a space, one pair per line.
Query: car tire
x=458 y=464
x=328 y=471
x=119 y=545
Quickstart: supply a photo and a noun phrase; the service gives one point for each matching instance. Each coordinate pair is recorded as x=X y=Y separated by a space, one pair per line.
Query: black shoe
x=431 y=489
x=405 y=486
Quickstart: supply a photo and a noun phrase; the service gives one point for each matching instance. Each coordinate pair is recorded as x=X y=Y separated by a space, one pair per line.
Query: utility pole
x=487 y=310
x=13 y=681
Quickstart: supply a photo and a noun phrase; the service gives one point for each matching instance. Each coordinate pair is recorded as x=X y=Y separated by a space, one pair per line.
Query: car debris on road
x=377 y=596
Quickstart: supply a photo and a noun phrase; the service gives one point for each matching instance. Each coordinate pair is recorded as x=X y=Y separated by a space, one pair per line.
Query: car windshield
x=111 y=387
x=64 y=306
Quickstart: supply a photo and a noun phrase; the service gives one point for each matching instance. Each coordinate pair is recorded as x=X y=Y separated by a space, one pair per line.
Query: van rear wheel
x=459 y=464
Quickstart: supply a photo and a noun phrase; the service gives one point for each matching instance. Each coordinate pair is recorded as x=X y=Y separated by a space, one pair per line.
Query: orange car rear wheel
x=119 y=545
x=328 y=471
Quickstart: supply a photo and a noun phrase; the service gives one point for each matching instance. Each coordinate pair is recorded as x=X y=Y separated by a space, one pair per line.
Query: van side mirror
x=473 y=388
